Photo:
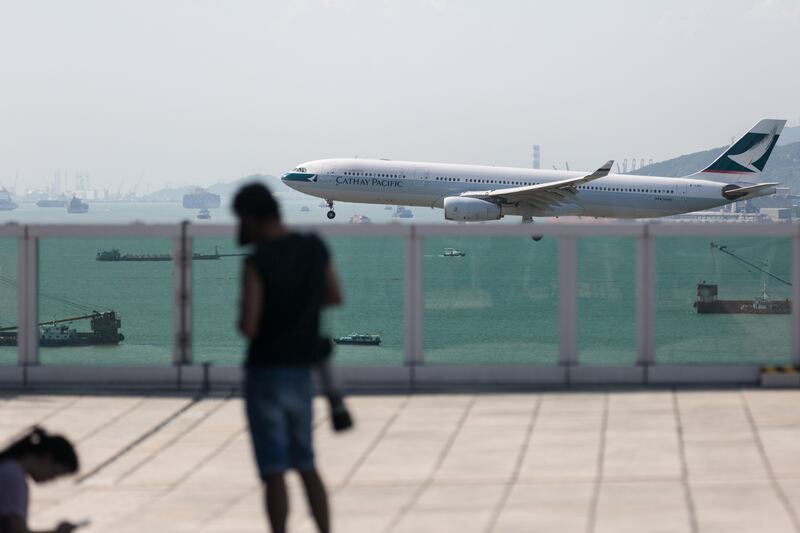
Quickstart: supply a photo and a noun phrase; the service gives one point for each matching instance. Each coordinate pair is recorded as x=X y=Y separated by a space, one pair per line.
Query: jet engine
x=466 y=209
x=729 y=192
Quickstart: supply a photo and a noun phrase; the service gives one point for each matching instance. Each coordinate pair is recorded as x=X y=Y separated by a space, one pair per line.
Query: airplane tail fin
x=748 y=155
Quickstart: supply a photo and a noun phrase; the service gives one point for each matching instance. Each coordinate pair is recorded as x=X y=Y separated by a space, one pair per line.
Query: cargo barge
x=104 y=330
x=115 y=255
x=707 y=303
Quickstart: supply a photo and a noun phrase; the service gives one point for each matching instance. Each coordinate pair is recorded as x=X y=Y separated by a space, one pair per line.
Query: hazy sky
x=183 y=92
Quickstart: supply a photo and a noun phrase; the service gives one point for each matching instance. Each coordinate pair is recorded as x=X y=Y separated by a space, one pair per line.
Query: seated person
x=41 y=457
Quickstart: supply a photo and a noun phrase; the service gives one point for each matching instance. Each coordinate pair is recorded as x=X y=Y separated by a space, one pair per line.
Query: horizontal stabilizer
x=735 y=192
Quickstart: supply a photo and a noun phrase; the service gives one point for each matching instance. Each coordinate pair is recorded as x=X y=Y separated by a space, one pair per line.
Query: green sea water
x=498 y=304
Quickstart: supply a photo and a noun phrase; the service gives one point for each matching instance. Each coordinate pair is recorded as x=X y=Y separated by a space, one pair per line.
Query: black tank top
x=292 y=270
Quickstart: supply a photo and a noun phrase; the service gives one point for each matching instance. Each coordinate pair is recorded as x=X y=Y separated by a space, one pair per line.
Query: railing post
x=645 y=298
x=413 y=298
x=568 y=300
x=27 y=299
x=182 y=297
x=796 y=296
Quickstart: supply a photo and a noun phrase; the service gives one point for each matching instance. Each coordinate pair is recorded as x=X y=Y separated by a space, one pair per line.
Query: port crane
x=104 y=325
x=724 y=249
x=95 y=314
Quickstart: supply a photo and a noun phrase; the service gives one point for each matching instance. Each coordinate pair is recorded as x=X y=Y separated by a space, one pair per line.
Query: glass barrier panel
x=105 y=302
x=490 y=300
x=8 y=301
x=370 y=270
x=607 y=301
x=723 y=300
x=215 y=295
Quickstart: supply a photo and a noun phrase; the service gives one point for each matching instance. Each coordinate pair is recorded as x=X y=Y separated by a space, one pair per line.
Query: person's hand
x=65 y=527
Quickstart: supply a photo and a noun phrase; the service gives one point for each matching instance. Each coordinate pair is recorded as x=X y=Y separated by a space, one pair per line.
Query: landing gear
x=331 y=214
x=529 y=220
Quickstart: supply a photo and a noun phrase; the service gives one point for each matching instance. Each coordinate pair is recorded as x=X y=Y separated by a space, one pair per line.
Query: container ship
x=104 y=330
x=50 y=202
x=201 y=199
x=6 y=204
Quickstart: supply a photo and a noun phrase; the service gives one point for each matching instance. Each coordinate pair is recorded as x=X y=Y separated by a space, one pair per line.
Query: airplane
x=473 y=193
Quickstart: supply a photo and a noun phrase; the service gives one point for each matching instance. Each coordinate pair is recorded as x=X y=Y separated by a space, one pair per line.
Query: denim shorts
x=278 y=401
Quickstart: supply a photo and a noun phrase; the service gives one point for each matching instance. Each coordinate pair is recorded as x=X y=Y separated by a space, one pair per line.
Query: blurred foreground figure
x=286 y=281
x=40 y=457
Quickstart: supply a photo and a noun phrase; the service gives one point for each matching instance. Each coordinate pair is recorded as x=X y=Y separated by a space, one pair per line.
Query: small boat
x=75 y=206
x=360 y=219
x=453 y=252
x=362 y=339
x=403 y=212
x=204 y=214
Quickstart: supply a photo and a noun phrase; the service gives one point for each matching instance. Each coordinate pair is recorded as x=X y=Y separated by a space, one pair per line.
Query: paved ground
x=609 y=461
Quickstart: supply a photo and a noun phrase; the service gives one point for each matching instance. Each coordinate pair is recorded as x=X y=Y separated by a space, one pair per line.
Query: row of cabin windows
x=373 y=174
x=504 y=182
x=625 y=189
x=582 y=187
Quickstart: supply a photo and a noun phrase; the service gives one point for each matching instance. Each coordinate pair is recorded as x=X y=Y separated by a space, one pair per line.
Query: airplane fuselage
x=428 y=184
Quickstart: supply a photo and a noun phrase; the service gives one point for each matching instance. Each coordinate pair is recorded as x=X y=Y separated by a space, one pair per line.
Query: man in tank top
x=287 y=280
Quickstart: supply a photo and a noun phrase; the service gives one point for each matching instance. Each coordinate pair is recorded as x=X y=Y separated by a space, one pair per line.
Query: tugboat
x=360 y=339
x=77 y=207
x=5 y=201
x=453 y=252
x=203 y=214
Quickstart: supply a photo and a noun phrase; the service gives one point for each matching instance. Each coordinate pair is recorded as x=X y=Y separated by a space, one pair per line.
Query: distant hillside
x=789 y=136
x=783 y=166
x=225 y=190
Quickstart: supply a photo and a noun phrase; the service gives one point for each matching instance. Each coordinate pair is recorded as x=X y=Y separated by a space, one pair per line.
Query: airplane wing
x=543 y=194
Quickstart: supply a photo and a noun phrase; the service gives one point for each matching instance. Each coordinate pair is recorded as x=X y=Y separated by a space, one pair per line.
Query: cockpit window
x=301 y=169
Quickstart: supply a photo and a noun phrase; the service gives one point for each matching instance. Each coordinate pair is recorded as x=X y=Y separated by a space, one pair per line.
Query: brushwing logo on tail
x=755 y=153
x=749 y=154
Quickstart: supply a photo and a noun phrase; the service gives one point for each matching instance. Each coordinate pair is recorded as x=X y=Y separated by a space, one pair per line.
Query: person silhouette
x=41 y=457
x=286 y=281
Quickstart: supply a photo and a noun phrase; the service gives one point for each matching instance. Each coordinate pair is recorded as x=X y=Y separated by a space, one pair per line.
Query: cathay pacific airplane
x=477 y=193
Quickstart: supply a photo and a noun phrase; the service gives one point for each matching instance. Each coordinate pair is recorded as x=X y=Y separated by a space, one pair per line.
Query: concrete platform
x=602 y=461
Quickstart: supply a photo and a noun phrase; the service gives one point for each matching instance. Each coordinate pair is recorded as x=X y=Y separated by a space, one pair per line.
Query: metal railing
x=414 y=371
